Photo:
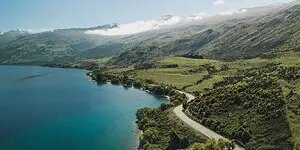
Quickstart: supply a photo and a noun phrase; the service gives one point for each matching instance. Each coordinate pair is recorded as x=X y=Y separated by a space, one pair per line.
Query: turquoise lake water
x=59 y=109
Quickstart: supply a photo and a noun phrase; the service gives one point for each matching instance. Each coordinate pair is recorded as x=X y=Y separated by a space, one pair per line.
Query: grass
x=287 y=60
x=293 y=119
x=294 y=123
x=99 y=61
x=171 y=78
x=187 y=62
x=290 y=59
x=205 y=84
x=180 y=76
x=183 y=77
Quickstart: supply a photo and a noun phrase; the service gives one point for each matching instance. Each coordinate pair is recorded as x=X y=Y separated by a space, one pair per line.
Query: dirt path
x=195 y=125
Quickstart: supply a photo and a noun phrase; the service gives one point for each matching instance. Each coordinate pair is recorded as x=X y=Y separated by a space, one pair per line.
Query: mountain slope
x=48 y=47
x=256 y=37
x=255 y=32
x=250 y=37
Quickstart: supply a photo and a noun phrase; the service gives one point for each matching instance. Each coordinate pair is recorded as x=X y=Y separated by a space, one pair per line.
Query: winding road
x=195 y=125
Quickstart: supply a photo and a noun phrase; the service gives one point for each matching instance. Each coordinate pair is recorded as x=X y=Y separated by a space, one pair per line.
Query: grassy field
x=183 y=76
x=196 y=75
x=187 y=62
x=205 y=84
x=174 y=79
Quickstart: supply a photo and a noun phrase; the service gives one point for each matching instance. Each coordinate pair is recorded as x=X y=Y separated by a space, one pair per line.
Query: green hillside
x=250 y=101
x=263 y=34
x=58 y=46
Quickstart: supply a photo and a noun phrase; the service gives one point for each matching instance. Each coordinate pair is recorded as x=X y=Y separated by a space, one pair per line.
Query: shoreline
x=137 y=134
x=46 y=66
x=88 y=77
x=136 y=130
x=177 y=110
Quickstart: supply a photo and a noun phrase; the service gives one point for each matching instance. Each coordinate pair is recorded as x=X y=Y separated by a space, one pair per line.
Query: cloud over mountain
x=232 y=12
x=143 y=26
x=219 y=2
x=39 y=30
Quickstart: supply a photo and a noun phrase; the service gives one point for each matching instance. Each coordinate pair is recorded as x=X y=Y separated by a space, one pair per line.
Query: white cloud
x=143 y=26
x=232 y=12
x=33 y=31
x=219 y=2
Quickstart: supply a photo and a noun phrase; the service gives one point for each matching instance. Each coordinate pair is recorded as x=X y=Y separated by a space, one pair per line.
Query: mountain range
x=265 y=31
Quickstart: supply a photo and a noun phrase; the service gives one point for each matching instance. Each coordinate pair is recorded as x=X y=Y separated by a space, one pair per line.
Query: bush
x=247 y=109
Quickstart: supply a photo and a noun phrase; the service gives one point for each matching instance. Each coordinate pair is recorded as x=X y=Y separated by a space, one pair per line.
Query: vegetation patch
x=202 y=76
x=161 y=130
x=250 y=110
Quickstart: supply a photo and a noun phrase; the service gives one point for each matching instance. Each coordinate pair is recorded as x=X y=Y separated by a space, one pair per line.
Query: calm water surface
x=59 y=109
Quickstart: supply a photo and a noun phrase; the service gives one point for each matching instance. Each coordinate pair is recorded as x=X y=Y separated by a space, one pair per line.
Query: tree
x=176 y=142
x=151 y=135
x=213 y=145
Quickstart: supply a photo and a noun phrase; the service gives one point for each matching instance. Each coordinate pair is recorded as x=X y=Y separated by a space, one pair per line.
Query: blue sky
x=53 y=14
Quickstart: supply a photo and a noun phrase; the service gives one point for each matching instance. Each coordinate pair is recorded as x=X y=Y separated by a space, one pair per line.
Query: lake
x=58 y=109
